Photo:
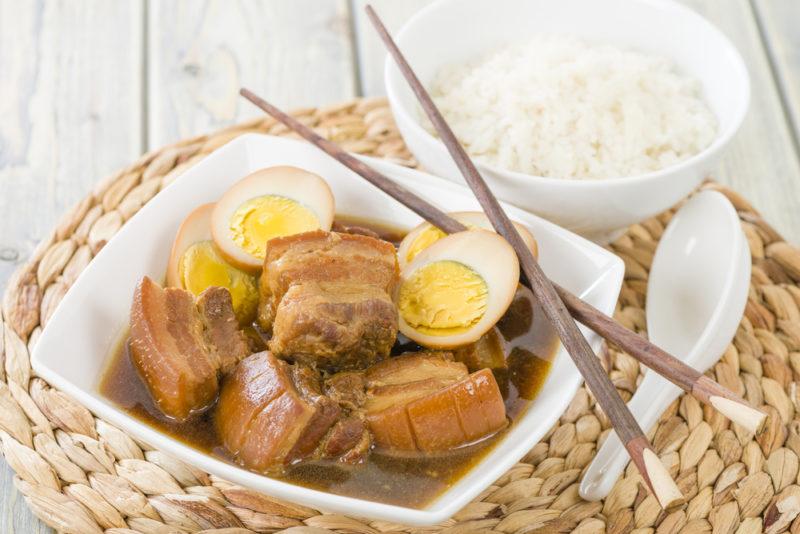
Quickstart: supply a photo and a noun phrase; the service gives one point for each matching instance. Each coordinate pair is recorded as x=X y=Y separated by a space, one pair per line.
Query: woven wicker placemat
x=82 y=475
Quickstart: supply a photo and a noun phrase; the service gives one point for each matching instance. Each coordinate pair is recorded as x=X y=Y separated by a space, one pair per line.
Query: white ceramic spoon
x=696 y=295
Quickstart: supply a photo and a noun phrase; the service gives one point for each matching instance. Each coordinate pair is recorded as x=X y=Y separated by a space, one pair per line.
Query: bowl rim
x=392 y=77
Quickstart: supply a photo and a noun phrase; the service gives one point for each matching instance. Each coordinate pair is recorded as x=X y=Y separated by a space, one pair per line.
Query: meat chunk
x=350 y=440
x=401 y=380
x=327 y=298
x=486 y=353
x=228 y=344
x=348 y=388
x=427 y=402
x=334 y=325
x=272 y=413
x=174 y=345
x=320 y=256
x=415 y=366
x=168 y=350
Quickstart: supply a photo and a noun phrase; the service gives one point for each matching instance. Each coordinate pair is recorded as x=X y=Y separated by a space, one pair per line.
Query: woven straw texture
x=82 y=475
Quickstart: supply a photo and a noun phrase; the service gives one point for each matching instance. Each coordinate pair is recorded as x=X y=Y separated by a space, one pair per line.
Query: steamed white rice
x=561 y=107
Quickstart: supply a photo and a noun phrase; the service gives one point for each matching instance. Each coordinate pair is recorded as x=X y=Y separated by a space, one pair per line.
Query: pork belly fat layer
x=179 y=348
x=168 y=350
x=324 y=257
x=329 y=256
x=327 y=298
x=412 y=367
x=428 y=403
x=398 y=381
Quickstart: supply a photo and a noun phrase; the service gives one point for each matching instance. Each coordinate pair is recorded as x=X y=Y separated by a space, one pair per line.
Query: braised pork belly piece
x=350 y=440
x=227 y=344
x=348 y=388
x=334 y=325
x=181 y=347
x=427 y=402
x=327 y=299
x=272 y=413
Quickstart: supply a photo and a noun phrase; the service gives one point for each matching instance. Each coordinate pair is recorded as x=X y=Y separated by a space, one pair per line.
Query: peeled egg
x=272 y=202
x=455 y=290
x=195 y=265
x=426 y=234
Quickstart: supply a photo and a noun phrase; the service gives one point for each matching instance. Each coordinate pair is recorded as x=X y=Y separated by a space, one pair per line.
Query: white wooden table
x=88 y=85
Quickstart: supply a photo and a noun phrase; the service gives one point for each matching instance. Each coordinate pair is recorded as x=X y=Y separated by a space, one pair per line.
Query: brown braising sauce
x=522 y=340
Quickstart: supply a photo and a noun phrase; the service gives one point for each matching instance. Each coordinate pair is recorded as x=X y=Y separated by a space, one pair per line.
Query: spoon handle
x=651 y=398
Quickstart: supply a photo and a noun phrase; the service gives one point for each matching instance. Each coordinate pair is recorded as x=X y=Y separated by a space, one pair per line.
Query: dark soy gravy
x=524 y=341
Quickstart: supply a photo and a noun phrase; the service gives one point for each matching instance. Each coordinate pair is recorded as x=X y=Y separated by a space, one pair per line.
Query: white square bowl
x=73 y=350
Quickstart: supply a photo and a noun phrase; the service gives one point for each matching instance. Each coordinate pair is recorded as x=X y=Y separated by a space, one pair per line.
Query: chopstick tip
x=740 y=413
x=656 y=476
x=729 y=404
x=247 y=93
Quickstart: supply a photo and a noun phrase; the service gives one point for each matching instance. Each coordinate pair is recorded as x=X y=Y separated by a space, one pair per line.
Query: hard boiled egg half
x=272 y=202
x=195 y=265
x=455 y=290
x=426 y=234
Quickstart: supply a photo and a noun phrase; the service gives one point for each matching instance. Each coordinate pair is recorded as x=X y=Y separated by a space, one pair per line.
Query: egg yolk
x=443 y=298
x=202 y=267
x=261 y=218
x=426 y=238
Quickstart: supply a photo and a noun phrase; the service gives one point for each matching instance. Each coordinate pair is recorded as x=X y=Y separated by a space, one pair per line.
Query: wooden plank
x=371 y=52
x=15 y=516
x=762 y=162
x=293 y=52
x=780 y=20
x=70 y=92
x=70 y=114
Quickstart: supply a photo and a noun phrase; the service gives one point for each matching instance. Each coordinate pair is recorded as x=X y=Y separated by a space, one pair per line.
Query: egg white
x=491 y=257
x=476 y=219
x=304 y=187
x=196 y=227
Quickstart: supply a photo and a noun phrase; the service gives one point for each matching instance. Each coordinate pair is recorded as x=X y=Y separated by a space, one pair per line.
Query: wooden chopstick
x=658 y=360
x=684 y=376
x=641 y=452
x=652 y=356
